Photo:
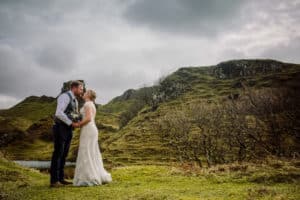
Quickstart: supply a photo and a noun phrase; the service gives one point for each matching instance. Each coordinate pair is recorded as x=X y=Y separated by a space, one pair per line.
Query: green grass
x=116 y=106
x=159 y=182
x=37 y=150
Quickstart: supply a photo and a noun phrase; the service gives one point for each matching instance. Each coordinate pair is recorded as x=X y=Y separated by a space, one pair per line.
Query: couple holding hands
x=89 y=169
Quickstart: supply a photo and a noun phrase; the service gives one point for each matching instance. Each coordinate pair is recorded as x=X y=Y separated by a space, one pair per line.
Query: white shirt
x=62 y=102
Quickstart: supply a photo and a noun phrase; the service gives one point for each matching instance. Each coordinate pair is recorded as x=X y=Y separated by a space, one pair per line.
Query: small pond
x=39 y=164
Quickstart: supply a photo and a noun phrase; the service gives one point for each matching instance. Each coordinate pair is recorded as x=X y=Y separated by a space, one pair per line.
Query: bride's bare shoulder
x=88 y=103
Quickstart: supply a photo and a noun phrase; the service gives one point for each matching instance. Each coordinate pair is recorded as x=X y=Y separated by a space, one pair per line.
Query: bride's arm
x=88 y=116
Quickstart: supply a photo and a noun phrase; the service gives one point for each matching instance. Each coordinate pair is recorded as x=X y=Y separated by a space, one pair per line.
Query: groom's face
x=78 y=91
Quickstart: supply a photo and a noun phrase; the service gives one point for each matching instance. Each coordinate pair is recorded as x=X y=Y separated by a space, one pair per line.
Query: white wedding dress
x=89 y=168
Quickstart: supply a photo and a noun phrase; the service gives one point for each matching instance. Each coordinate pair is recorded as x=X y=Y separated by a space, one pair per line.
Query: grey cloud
x=285 y=52
x=21 y=77
x=199 y=17
x=15 y=72
x=115 y=45
x=115 y=82
x=7 y=101
x=58 y=57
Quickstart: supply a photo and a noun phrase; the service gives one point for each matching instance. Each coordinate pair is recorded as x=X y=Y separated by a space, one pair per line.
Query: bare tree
x=175 y=129
x=259 y=123
x=278 y=109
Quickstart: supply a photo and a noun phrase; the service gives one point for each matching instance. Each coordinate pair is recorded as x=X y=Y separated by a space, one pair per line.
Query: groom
x=65 y=122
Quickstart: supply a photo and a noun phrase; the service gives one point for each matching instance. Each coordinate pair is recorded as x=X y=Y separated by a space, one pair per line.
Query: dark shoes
x=56 y=185
x=60 y=184
x=64 y=182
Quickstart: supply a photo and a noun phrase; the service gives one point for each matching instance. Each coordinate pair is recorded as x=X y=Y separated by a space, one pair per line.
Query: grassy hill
x=16 y=123
x=140 y=142
x=29 y=111
x=128 y=123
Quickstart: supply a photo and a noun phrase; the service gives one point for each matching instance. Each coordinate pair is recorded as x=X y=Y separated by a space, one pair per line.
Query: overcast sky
x=115 y=45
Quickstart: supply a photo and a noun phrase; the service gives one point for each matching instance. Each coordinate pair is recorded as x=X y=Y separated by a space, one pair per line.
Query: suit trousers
x=62 y=139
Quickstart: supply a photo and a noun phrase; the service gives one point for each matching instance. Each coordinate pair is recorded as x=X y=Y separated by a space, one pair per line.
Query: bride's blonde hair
x=92 y=94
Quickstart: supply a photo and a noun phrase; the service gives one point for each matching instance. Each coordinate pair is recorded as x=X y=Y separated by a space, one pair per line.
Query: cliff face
x=241 y=68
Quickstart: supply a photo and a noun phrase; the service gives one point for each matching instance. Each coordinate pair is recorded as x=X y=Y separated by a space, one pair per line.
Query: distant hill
x=128 y=123
x=32 y=108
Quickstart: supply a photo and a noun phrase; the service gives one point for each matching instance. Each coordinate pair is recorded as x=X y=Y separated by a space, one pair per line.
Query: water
x=38 y=164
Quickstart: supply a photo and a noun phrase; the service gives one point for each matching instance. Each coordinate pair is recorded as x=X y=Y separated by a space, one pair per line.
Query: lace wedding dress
x=89 y=168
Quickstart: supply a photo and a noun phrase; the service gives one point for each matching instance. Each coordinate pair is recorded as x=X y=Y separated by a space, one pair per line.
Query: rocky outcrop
x=242 y=68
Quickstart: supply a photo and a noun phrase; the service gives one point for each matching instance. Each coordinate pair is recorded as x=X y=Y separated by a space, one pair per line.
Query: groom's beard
x=79 y=96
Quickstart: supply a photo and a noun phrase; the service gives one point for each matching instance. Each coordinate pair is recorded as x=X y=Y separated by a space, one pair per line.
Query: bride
x=89 y=168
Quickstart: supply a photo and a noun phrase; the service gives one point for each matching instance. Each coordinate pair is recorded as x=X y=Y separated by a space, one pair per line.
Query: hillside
x=140 y=141
x=30 y=110
x=16 y=122
x=128 y=124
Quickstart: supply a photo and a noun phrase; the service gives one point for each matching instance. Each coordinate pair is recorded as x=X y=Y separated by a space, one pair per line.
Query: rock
x=243 y=68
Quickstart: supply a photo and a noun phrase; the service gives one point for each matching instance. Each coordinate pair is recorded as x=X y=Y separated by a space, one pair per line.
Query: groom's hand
x=75 y=125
